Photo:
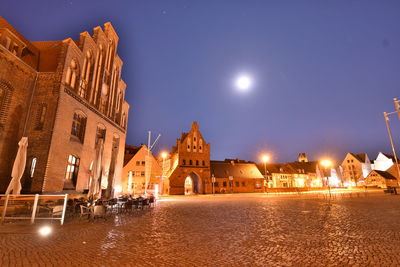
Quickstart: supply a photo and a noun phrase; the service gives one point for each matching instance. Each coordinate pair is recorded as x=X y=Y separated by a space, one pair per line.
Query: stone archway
x=192 y=184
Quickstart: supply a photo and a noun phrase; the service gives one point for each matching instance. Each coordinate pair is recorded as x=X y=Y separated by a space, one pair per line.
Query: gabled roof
x=361 y=157
x=308 y=167
x=224 y=169
x=389 y=156
x=130 y=152
x=272 y=168
x=385 y=175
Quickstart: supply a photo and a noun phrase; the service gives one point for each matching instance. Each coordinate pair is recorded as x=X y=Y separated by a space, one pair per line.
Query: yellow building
x=134 y=171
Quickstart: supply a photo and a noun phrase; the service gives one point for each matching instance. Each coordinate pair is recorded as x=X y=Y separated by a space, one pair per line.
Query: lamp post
x=327 y=163
x=265 y=159
x=163 y=156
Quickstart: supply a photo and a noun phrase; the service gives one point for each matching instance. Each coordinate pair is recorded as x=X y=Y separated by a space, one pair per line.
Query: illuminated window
x=78 y=126
x=72 y=169
x=33 y=166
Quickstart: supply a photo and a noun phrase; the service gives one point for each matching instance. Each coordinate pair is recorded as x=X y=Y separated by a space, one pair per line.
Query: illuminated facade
x=355 y=168
x=189 y=164
x=134 y=171
x=64 y=96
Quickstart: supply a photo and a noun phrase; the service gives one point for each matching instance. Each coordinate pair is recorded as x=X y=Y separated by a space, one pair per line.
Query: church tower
x=302 y=157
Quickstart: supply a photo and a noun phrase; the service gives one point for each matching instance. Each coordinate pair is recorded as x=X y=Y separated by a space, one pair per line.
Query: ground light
x=45 y=230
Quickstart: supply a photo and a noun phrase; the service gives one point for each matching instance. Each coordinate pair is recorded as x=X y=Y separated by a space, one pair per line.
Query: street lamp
x=163 y=156
x=327 y=163
x=265 y=159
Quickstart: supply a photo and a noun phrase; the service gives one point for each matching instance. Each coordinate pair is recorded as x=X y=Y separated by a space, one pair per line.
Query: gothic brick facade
x=64 y=96
x=190 y=163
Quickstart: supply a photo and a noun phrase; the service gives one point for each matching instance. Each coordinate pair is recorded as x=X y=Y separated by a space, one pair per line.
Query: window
x=243 y=183
x=33 y=166
x=190 y=162
x=137 y=163
x=197 y=163
x=216 y=184
x=100 y=133
x=72 y=169
x=194 y=147
x=5 y=99
x=78 y=126
x=184 y=162
x=257 y=186
x=224 y=184
x=86 y=71
x=204 y=163
x=72 y=74
x=237 y=184
x=142 y=174
x=143 y=163
x=41 y=115
x=137 y=173
x=194 y=138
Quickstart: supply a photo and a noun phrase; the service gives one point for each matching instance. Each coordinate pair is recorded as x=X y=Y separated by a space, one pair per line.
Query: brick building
x=189 y=162
x=236 y=176
x=356 y=167
x=64 y=96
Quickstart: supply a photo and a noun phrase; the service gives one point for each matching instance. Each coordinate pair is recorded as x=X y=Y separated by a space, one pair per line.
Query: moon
x=243 y=83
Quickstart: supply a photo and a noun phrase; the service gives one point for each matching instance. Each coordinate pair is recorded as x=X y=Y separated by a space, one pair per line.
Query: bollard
x=3 y=215
x=35 y=203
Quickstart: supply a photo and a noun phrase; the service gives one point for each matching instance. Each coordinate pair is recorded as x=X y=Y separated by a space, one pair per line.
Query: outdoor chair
x=99 y=212
x=57 y=211
x=152 y=202
x=146 y=203
x=85 y=211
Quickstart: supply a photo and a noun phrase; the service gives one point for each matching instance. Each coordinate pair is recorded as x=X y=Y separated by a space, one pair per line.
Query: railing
x=33 y=207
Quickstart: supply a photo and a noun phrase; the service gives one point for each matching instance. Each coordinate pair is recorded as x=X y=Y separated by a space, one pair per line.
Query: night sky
x=323 y=71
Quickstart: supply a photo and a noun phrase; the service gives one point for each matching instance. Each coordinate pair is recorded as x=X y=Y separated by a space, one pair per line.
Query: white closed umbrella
x=18 y=168
x=95 y=187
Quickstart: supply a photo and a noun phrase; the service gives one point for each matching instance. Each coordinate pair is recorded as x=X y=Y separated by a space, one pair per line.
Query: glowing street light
x=265 y=159
x=327 y=164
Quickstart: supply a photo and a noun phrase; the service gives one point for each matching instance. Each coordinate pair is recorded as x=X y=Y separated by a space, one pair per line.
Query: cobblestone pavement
x=235 y=230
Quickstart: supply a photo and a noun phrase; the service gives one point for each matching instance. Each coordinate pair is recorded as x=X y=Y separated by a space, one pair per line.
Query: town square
x=199 y=133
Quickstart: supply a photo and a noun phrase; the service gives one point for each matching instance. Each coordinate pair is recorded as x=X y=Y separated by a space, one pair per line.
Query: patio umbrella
x=95 y=186
x=18 y=168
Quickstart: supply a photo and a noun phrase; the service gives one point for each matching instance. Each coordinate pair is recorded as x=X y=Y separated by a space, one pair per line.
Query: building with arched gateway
x=67 y=97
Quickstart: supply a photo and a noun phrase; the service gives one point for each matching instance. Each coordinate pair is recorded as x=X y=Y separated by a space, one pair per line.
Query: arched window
x=71 y=175
x=72 y=74
x=201 y=145
x=41 y=116
x=123 y=123
x=100 y=133
x=85 y=76
x=33 y=167
x=78 y=126
x=5 y=98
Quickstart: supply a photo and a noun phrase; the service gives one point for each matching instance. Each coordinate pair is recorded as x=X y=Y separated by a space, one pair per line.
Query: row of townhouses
x=187 y=169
